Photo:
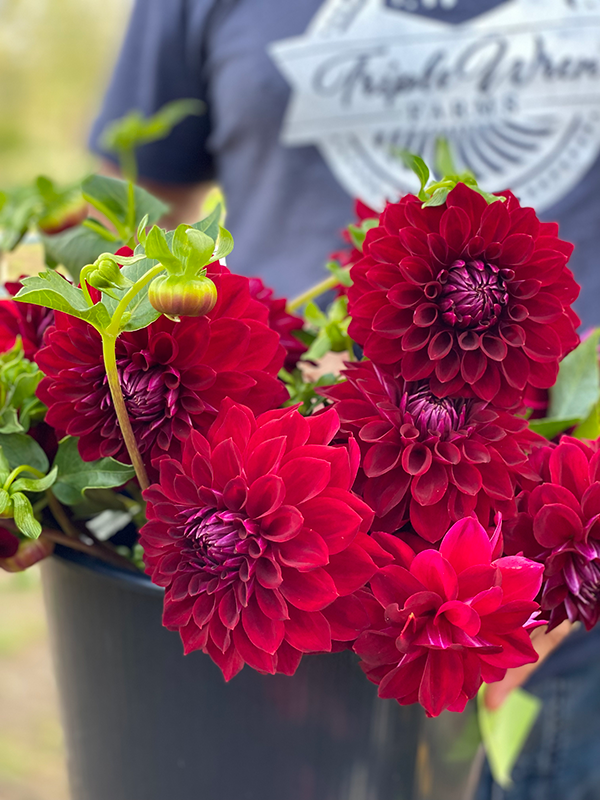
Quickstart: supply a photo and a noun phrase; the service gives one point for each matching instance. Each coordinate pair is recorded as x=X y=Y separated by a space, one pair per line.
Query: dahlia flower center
x=583 y=579
x=433 y=414
x=146 y=393
x=473 y=294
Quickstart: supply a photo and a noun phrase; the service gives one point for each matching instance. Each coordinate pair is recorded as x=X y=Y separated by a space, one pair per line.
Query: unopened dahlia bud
x=177 y=296
x=66 y=214
x=107 y=275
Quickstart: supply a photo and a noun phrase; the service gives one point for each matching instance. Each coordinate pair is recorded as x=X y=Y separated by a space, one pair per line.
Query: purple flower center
x=222 y=546
x=473 y=294
x=433 y=414
x=582 y=576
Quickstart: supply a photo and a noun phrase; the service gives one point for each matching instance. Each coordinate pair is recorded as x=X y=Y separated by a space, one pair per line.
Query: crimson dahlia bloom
x=559 y=525
x=259 y=541
x=279 y=320
x=445 y=621
x=473 y=297
x=24 y=320
x=174 y=375
x=428 y=460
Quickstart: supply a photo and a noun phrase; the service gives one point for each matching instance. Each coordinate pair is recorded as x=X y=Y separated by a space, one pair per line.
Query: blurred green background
x=55 y=59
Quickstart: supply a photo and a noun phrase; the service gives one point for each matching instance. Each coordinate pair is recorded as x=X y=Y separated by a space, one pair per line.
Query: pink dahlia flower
x=174 y=375
x=279 y=320
x=446 y=621
x=473 y=297
x=426 y=460
x=25 y=320
x=559 y=525
x=259 y=541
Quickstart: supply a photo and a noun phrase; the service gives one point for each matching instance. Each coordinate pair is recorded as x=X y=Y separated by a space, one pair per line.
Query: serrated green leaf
x=75 y=247
x=34 y=485
x=19 y=449
x=438 y=198
x=51 y=290
x=76 y=475
x=551 y=427
x=112 y=194
x=577 y=388
x=314 y=316
x=24 y=517
x=210 y=225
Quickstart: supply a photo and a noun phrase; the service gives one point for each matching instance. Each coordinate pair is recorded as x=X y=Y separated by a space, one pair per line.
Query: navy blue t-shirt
x=286 y=206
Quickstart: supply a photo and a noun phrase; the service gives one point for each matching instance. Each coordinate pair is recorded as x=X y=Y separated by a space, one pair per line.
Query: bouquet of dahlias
x=404 y=507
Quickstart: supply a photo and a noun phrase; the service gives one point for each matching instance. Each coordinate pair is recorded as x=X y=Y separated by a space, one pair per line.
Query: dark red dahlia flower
x=279 y=320
x=24 y=320
x=447 y=620
x=473 y=297
x=259 y=541
x=430 y=460
x=559 y=525
x=174 y=375
x=9 y=543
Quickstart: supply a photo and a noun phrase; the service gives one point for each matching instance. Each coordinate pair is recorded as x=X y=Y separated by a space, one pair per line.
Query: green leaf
x=438 y=198
x=444 y=161
x=551 y=427
x=505 y=731
x=210 y=225
x=9 y=421
x=342 y=275
x=590 y=427
x=141 y=231
x=133 y=130
x=5 y=468
x=418 y=166
x=141 y=312
x=320 y=346
x=111 y=194
x=51 y=290
x=24 y=517
x=314 y=316
x=76 y=247
x=577 y=388
x=157 y=248
x=19 y=449
x=76 y=475
x=35 y=485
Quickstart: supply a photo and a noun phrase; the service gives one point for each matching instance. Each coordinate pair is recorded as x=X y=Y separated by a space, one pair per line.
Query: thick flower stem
x=109 y=343
x=314 y=291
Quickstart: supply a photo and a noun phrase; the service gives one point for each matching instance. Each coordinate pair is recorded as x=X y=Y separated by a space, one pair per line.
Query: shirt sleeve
x=160 y=61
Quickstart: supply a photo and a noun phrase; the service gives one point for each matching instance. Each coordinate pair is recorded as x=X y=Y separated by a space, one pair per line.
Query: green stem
x=18 y=471
x=94 y=226
x=131 y=211
x=84 y=287
x=109 y=354
x=115 y=323
x=314 y=291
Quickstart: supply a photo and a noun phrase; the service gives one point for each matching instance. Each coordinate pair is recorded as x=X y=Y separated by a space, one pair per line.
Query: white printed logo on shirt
x=515 y=89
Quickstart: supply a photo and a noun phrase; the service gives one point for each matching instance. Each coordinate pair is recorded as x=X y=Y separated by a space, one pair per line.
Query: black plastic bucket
x=143 y=722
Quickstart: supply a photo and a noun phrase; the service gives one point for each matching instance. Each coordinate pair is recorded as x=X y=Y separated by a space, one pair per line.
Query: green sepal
x=358 y=233
x=224 y=244
x=141 y=234
x=24 y=517
x=51 y=290
x=35 y=484
x=157 y=248
x=5 y=501
x=438 y=198
x=343 y=275
x=416 y=164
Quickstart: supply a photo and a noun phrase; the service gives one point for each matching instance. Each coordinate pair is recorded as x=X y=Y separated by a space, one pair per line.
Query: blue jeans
x=561 y=758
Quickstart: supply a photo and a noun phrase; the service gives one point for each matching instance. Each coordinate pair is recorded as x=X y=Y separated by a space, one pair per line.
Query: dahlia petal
x=308 y=632
x=377 y=648
x=308 y=591
x=430 y=522
x=475 y=452
x=488 y=386
x=496 y=481
x=414 y=339
x=334 y=520
x=264 y=633
x=193 y=638
x=230 y=662
x=265 y=496
x=541 y=343
x=455 y=227
x=415 y=241
x=416 y=270
x=473 y=366
x=516 y=651
x=265 y=458
x=556 y=524
x=226 y=463
x=405 y=295
x=440 y=345
x=385 y=492
x=228 y=342
x=304 y=552
x=416 y=366
x=487 y=601
x=351 y=569
x=521 y=578
x=268 y=573
x=304 y=478
x=381 y=458
x=235 y=493
x=430 y=487
x=466 y=545
x=323 y=427
x=219 y=634
x=590 y=502
x=466 y=478
x=283 y=524
x=229 y=612
x=493 y=347
x=253 y=656
x=436 y=573
x=508 y=618
x=399 y=550
x=392 y=322
x=448 y=368
x=442 y=679
x=176 y=614
x=471 y=202
x=516 y=249
x=495 y=223
x=569 y=468
x=461 y=615
x=271 y=602
x=403 y=680
x=395 y=584
x=347 y=618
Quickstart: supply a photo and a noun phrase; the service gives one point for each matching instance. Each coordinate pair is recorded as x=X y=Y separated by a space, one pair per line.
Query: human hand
x=544 y=643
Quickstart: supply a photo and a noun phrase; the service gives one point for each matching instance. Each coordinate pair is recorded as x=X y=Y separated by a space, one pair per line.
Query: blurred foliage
x=55 y=59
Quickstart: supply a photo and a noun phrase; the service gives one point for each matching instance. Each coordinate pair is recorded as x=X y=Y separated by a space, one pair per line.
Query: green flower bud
x=178 y=296
x=107 y=275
